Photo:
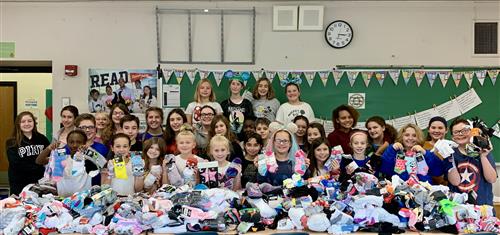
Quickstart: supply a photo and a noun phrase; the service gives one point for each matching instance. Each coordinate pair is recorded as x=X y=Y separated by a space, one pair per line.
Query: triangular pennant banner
x=481 y=75
x=324 y=76
x=310 y=77
x=469 y=75
x=394 y=74
x=431 y=76
x=419 y=76
x=167 y=73
x=337 y=75
x=493 y=74
x=380 y=76
x=282 y=75
x=367 y=75
x=257 y=74
x=456 y=77
x=351 y=76
x=444 y=76
x=218 y=76
x=179 y=74
x=192 y=75
x=406 y=75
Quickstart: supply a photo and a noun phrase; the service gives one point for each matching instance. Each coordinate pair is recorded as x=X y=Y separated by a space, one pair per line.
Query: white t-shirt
x=75 y=178
x=194 y=109
x=124 y=187
x=287 y=112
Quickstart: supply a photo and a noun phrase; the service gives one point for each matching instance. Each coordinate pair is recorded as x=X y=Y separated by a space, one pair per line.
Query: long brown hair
x=270 y=91
x=147 y=145
x=229 y=134
x=17 y=134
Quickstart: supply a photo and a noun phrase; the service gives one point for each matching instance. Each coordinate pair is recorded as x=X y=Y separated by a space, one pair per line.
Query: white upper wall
x=123 y=35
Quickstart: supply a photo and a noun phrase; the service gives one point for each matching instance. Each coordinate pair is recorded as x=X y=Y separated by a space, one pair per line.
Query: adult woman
x=344 y=119
x=25 y=144
x=175 y=119
x=68 y=115
x=103 y=127
x=147 y=99
x=294 y=107
x=117 y=112
x=207 y=113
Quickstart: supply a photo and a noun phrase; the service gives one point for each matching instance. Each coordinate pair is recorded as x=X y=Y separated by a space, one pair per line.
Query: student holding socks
x=344 y=119
x=436 y=130
x=204 y=95
x=175 y=119
x=154 y=120
x=236 y=108
x=318 y=155
x=220 y=125
x=474 y=175
x=153 y=155
x=264 y=103
x=120 y=174
x=253 y=145
x=86 y=122
x=402 y=158
x=219 y=152
x=283 y=147
x=24 y=146
x=380 y=135
x=294 y=107
x=68 y=115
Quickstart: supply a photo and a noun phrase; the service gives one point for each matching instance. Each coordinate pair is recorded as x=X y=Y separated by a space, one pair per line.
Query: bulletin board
x=391 y=98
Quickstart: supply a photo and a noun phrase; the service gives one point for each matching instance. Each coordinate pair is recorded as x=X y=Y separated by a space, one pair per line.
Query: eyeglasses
x=118 y=113
x=87 y=127
x=464 y=131
x=278 y=141
x=207 y=115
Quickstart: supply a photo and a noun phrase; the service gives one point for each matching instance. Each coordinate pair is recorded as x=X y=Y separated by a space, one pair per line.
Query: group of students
x=240 y=134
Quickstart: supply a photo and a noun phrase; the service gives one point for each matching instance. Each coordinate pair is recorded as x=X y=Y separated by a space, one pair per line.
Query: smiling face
x=176 y=121
x=121 y=146
x=153 y=151
x=263 y=88
x=359 y=143
x=375 y=130
x=101 y=120
x=409 y=138
x=437 y=130
x=345 y=119
x=206 y=114
x=220 y=128
x=27 y=124
x=147 y=91
x=321 y=153
x=461 y=134
x=185 y=143
x=89 y=128
x=292 y=93
x=75 y=141
x=219 y=151
x=312 y=134
x=117 y=115
x=153 y=120
x=252 y=148
x=130 y=129
x=205 y=90
x=282 y=142
x=67 y=119
x=301 y=128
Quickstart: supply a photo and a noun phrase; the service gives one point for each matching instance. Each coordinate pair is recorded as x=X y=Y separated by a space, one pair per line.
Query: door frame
x=12 y=84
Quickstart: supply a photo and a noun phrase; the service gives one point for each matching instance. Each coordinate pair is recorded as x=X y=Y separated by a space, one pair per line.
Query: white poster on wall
x=171 y=95
x=357 y=100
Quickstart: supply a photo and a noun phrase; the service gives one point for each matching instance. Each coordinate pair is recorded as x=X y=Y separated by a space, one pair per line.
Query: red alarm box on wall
x=71 y=70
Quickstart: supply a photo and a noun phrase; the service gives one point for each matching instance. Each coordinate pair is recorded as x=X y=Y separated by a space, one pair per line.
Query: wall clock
x=339 y=34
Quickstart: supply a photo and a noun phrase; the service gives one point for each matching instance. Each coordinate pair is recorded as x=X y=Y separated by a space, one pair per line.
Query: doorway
x=8 y=111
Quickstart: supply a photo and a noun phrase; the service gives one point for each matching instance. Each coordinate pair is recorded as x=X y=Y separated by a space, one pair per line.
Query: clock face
x=338 y=34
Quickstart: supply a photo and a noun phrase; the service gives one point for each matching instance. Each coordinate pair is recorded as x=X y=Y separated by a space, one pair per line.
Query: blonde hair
x=106 y=133
x=218 y=139
x=197 y=97
x=187 y=131
x=418 y=132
